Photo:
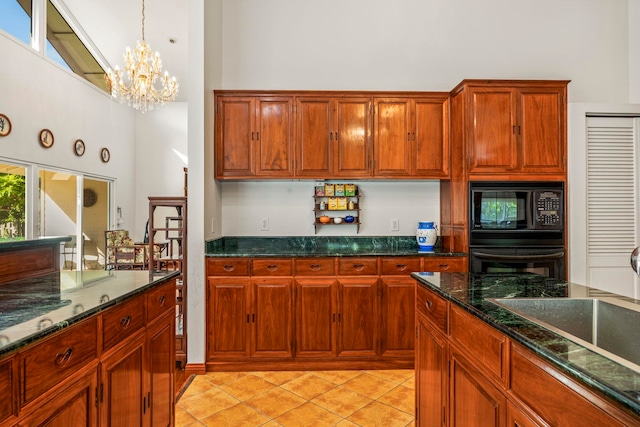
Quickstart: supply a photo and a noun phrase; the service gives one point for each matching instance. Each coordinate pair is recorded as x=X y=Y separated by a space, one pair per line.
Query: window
x=12 y=202
x=15 y=19
x=62 y=43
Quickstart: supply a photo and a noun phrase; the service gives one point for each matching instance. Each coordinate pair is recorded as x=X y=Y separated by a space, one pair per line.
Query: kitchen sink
x=607 y=326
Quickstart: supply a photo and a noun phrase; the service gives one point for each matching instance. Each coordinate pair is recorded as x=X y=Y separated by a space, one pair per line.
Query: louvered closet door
x=612 y=202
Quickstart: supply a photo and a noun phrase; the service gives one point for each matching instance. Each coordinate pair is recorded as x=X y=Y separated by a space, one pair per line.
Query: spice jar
x=351 y=205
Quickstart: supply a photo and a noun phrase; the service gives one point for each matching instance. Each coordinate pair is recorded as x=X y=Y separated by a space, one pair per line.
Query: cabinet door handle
x=125 y=321
x=428 y=304
x=229 y=267
x=252 y=135
x=253 y=318
x=330 y=136
x=161 y=300
x=63 y=358
x=315 y=267
x=272 y=267
x=248 y=318
x=334 y=318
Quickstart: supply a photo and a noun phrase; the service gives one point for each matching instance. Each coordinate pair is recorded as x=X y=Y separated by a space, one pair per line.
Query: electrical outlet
x=395 y=224
x=264 y=224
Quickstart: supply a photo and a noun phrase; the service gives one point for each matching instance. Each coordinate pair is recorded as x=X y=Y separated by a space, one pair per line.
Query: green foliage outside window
x=12 y=206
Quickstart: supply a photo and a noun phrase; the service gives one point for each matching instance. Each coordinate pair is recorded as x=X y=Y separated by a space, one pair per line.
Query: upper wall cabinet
x=411 y=137
x=254 y=137
x=515 y=127
x=333 y=137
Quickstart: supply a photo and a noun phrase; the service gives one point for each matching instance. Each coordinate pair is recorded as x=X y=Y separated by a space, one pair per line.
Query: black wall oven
x=517 y=227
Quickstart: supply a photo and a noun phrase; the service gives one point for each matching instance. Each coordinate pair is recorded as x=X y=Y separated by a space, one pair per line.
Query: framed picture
x=105 y=155
x=5 y=125
x=78 y=147
x=46 y=138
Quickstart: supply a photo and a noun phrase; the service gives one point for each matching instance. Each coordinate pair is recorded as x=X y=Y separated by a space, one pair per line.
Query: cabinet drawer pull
x=444 y=266
x=315 y=267
x=401 y=267
x=63 y=358
x=125 y=321
x=229 y=267
x=104 y=298
x=44 y=323
x=161 y=300
x=358 y=267
x=428 y=304
x=272 y=267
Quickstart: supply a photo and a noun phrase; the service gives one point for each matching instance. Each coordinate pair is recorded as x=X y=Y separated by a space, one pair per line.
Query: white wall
x=37 y=94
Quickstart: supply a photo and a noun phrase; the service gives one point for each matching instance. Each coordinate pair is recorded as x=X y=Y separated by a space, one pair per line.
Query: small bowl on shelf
x=349 y=218
x=337 y=220
x=324 y=219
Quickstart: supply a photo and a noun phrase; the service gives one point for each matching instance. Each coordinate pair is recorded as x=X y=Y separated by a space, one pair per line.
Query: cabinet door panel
x=358 y=317
x=228 y=325
x=431 y=377
x=123 y=384
x=273 y=137
x=542 y=130
x=315 y=318
x=392 y=132
x=473 y=402
x=353 y=129
x=7 y=388
x=313 y=132
x=234 y=148
x=493 y=144
x=161 y=370
x=431 y=139
x=398 y=317
x=273 y=321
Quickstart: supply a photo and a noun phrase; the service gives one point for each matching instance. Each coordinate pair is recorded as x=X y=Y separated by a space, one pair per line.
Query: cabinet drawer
x=432 y=307
x=161 y=299
x=482 y=344
x=361 y=266
x=121 y=321
x=50 y=362
x=315 y=267
x=227 y=267
x=449 y=264
x=272 y=267
x=400 y=265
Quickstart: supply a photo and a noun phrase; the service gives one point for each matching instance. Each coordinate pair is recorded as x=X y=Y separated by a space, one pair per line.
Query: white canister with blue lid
x=426 y=235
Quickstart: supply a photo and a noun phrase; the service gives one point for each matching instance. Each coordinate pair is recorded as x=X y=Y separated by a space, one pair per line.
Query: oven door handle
x=519 y=257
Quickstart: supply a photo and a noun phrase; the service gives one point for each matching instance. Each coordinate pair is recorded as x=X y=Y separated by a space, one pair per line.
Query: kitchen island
x=80 y=345
x=478 y=363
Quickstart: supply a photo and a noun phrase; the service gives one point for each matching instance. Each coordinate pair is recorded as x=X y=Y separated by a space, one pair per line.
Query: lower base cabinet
x=321 y=313
x=465 y=387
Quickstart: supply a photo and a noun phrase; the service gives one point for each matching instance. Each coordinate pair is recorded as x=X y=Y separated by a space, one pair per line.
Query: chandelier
x=143 y=68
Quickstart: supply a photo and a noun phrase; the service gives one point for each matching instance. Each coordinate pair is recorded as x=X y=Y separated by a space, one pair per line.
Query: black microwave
x=519 y=213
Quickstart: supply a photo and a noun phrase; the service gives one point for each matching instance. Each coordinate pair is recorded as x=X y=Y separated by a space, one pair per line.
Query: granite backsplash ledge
x=316 y=246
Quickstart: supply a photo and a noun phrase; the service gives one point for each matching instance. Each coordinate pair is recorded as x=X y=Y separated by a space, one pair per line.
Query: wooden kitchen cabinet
x=516 y=128
x=8 y=387
x=161 y=370
x=398 y=316
x=252 y=318
x=333 y=136
x=316 y=309
x=254 y=136
x=358 y=324
x=411 y=137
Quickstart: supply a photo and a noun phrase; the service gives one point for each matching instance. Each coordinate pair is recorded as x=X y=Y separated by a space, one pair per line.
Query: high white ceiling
x=113 y=25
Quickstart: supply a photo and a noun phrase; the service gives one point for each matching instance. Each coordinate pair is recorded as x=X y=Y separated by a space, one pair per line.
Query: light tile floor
x=298 y=398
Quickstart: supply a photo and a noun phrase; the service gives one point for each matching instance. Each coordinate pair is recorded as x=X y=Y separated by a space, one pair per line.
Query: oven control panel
x=549 y=212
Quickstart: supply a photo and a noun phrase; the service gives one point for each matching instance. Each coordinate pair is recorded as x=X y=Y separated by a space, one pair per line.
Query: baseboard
x=195 y=369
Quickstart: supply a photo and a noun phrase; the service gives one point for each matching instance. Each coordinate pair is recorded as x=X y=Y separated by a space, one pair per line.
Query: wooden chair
x=121 y=253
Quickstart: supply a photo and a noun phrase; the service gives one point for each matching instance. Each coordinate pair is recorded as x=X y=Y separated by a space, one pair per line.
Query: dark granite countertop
x=318 y=246
x=31 y=309
x=596 y=371
x=24 y=243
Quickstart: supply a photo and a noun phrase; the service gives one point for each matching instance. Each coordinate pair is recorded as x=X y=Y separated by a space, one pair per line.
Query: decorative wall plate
x=90 y=197
x=46 y=138
x=78 y=147
x=105 y=155
x=5 y=125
